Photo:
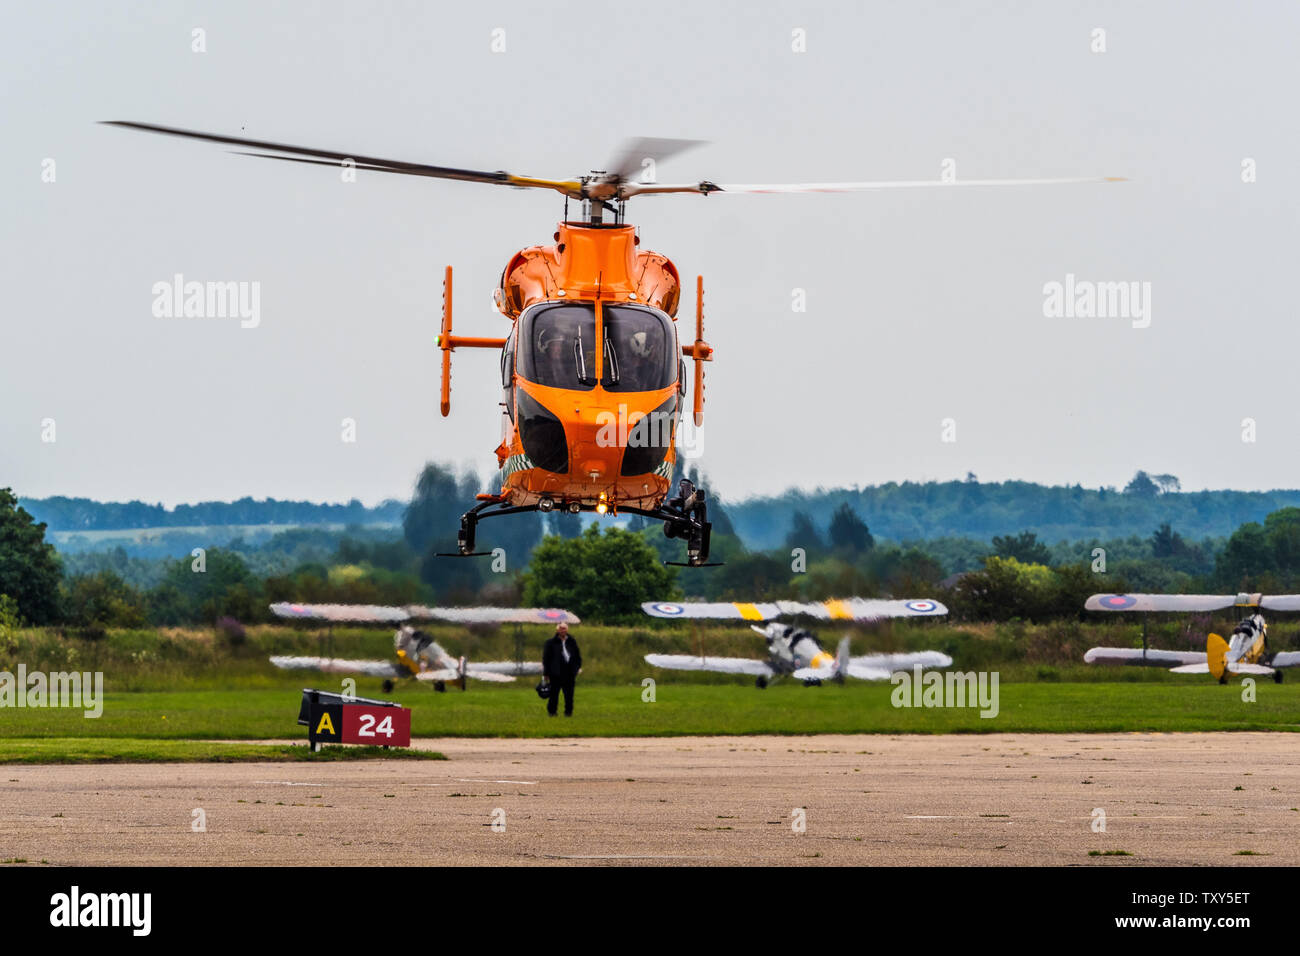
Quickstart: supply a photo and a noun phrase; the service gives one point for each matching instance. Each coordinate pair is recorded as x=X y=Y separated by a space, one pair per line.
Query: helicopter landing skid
x=469 y=528
x=685 y=516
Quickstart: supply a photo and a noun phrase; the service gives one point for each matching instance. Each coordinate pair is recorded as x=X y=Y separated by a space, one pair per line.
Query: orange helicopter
x=592 y=370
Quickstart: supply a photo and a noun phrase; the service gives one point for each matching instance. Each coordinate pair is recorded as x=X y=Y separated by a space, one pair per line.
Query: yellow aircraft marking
x=1256 y=651
x=838 y=610
x=822 y=659
x=406 y=662
x=564 y=186
x=749 y=612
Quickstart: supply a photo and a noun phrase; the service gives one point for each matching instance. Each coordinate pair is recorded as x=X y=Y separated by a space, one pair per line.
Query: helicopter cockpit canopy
x=558 y=347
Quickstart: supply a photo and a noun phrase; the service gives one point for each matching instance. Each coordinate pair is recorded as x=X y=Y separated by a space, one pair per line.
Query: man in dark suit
x=561 y=664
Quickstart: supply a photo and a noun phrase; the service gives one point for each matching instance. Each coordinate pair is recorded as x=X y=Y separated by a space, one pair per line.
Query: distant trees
x=102 y=600
x=912 y=511
x=221 y=586
x=430 y=524
x=1008 y=589
x=604 y=572
x=602 y=576
x=1149 y=486
x=30 y=571
x=81 y=514
x=1167 y=484
x=803 y=534
x=1023 y=547
x=751 y=576
x=849 y=532
x=1262 y=557
x=1142 y=486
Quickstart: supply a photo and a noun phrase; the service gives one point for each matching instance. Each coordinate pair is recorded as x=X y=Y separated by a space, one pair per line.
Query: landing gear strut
x=685 y=517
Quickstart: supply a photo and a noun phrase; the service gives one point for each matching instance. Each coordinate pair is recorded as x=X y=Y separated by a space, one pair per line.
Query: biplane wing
x=902 y=662
x=330 y=665
x=1160 y=602
x=494 y=615
x=721 y=665
x=492 y=677
x=379 y=614
x=451 y=674
x=517 y=668
x=1238 y=667
x=1285 y=659
x=847 y=609
x=1135 y=655
x=1241 y=667
x=441 y=674
x=867 y=672
x=1280 y=602
x=341 y=613
x=874 y=666
x=1191 y=602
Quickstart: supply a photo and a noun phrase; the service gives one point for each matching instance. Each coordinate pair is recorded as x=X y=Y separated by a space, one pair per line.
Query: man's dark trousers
x=553 y=699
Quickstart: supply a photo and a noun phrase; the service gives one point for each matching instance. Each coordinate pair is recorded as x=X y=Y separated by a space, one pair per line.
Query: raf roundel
x=553 y=615
x=670 y=609
x=922 y=607
x=1118 y=602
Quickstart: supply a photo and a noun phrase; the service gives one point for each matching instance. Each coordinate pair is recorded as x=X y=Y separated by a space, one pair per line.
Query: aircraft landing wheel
x=812 y=682
x=760 y=683
x=1277 y=677
x=388 y=686
x=1224 y=678
x=440 y=687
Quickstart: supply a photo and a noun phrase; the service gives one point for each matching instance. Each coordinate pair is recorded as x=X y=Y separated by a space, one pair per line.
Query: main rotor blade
x=707 y=188
x=498 y=177
x=908 y=184
x=636 y=151
x=571 y=187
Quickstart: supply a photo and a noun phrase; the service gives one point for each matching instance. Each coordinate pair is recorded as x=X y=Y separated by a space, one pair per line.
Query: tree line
x=603 y=571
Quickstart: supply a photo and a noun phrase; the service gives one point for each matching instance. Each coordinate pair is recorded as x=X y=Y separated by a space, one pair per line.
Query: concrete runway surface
x=866 y=800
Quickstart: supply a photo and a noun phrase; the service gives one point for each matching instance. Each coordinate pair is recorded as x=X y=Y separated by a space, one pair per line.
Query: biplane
x=416 y=654
x=1246 y=651
x=796 y=652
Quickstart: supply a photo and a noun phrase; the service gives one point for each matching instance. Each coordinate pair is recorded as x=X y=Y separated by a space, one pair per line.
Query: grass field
x=186 y=694
x=167 y=659
x=681 y=709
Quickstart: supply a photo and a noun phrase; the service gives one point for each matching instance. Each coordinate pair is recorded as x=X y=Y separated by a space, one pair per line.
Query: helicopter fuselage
x=591 y=372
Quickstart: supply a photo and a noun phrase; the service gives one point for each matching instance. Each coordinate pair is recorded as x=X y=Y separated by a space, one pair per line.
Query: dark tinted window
x=557 y=346
x=640 y=349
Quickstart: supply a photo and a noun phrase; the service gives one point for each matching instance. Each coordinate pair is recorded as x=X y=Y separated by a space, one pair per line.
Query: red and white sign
x=376 y=726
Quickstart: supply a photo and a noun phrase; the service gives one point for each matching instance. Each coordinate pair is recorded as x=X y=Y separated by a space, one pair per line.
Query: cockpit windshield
x=558 y=348
x=639 y=350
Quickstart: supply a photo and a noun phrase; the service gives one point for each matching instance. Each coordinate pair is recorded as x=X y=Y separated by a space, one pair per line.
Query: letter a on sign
x=325 y=722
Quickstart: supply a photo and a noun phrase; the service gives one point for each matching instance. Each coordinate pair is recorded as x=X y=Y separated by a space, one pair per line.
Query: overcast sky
x=921 y=305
